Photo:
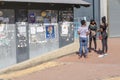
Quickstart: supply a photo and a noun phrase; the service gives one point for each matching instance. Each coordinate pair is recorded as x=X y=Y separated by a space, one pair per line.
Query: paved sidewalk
x=72 y=68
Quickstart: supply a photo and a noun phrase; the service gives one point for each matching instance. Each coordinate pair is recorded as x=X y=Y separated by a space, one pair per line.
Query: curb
x=29 y=70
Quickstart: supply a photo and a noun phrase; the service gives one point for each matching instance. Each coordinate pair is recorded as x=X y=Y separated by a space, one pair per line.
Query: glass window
x=66 y=16
x=7 y=16
x=21 y=15
x=42 y=16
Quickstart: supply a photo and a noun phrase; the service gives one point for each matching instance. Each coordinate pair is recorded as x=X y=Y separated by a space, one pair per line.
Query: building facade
x=113 y=13
x=35 y=27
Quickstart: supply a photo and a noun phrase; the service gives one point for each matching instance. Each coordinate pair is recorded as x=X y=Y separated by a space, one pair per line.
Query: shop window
x=21 y=15
x=7 y=16
x=66 y=16
x=39 y=21
x=42 y=16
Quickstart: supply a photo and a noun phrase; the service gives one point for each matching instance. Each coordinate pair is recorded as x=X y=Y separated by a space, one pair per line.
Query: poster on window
x=2 y=27
x=65 y=28
x=22 y=29
x=50 y=32
x=33 y=30
x=40 y=28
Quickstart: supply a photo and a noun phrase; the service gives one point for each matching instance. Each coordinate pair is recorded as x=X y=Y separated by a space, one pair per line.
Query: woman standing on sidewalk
x=104 y=34
x=92 y=35
x=83 y=34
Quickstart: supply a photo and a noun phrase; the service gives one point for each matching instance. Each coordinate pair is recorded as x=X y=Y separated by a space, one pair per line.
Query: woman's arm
x=78 y=32
x=87 y=33
x=100 y=29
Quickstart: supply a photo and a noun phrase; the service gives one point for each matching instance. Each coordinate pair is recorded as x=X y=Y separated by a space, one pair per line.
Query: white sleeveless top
x=83 y=31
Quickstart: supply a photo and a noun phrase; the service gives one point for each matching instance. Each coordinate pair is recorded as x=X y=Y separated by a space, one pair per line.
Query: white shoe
x=105 y=54
x=101 y=56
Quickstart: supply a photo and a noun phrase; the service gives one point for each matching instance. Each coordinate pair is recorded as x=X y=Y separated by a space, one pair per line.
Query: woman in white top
x=83 y=34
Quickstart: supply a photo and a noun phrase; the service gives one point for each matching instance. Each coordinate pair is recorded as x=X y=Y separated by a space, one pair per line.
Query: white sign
x=1 y=27
x=32 y=30
x=65 y=28
x=40 y=29
x=22 y=29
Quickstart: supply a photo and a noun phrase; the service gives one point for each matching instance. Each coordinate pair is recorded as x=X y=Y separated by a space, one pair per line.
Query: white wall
x=103 y=8
x=114 y=18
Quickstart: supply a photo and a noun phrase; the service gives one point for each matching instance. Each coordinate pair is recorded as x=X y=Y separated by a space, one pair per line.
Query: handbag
x=100 y=37
x=93 y=33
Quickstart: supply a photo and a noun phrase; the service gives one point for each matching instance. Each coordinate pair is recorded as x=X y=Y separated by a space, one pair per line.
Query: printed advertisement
x=65 y=28
x=50 y=32
x=32 y=30
x=2 y=27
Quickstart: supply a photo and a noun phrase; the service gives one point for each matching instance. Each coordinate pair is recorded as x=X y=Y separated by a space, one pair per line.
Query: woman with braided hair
x=104 y=34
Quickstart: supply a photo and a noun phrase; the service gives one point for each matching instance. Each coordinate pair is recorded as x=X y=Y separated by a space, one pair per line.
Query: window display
x=40 y=25
x=42 y=16
x=66 y=16
x=21 y=15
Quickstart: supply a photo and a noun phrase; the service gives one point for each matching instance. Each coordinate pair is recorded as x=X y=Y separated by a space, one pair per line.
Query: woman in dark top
x=92 y=35
x=103 y=30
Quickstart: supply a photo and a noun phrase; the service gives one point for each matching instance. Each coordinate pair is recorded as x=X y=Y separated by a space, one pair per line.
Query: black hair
x=104 y=19
x=83 y=22
x=92 y=20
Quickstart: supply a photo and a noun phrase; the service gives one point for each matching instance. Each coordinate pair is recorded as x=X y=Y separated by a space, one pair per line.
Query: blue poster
x=32 y=17
x=50 y=32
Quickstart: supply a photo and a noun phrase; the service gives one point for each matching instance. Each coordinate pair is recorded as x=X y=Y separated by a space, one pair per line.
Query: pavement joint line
x=20 y=73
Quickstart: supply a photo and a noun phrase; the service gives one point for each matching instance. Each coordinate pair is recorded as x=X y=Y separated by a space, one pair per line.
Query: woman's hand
x=78 y=33
x=101 y=30
x=87 y=33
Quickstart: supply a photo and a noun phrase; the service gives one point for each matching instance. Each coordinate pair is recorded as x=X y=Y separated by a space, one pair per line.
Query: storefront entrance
x=22 y=41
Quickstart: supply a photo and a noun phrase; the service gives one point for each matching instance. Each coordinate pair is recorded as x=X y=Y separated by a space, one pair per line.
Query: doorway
x=22 y=39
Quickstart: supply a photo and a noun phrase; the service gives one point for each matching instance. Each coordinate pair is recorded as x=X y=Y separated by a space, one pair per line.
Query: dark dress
x=104 y=38
x=92 y=36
